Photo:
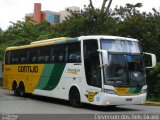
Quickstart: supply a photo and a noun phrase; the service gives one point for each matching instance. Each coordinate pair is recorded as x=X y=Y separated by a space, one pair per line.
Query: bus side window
x=23 y=56
x=14 y=57
x=59 y=53
x=34 y=59
x=60 y=57
x=53 y=54
x=73 y=53
x=33 y=55
x=7 y=57
x=44 y=54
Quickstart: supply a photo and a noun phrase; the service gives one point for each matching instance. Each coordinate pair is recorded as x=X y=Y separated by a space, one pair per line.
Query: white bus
x=99 y=70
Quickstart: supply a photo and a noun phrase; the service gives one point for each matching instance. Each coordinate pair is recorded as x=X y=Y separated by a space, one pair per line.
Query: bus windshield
x=125 y=68
x=112 y=45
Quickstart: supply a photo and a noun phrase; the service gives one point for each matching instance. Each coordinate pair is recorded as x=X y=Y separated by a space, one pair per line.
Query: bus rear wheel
x=15 y=89
x=21 y=90
x=74 y=97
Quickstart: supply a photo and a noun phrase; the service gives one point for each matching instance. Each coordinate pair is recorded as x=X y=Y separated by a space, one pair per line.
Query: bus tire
x=74 y=97
x=15 y=88
x=21 y=90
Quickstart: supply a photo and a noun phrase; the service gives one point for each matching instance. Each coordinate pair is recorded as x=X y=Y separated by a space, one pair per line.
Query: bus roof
x=44 y=43
x=67 y=40
x=106 y=37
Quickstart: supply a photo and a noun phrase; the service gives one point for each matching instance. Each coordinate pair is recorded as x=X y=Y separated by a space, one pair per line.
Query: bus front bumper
x=111 y=99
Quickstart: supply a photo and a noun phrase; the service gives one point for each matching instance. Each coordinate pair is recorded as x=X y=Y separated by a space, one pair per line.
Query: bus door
x=92 y=65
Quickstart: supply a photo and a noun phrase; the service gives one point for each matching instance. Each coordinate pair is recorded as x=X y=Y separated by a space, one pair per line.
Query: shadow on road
x=85 y=106
x=67 y=103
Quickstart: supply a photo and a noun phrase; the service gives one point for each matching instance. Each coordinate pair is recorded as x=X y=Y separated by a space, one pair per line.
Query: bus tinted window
x=14 y=57
x=73 y=53
x=23 y=56
x=7 y=57
x=58 y=53
x=33 y=55
x=44 y=54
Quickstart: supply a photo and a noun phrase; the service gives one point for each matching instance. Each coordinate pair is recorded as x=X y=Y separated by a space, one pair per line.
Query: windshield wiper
x=132 y=77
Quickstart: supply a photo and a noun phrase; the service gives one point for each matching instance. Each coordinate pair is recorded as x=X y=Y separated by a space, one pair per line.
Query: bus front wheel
x=74 y=97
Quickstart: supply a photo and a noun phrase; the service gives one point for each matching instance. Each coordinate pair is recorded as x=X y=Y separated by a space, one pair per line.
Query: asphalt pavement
x=38 y=107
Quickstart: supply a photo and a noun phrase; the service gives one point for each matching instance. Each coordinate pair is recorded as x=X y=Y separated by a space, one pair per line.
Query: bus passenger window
x=14 y=57
x=59 y=53
x=33 y=55
x=46 y=59
x=7 y=57
x=14 y=60
x=74 y=57
x=53 y=58
x=23 y=60
x=23 y=56
x=34 y=59
x=60 y=58
x=44 y=54
x=73 y=53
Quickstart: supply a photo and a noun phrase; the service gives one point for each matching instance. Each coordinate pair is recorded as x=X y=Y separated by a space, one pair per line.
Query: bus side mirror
x=150 y=60
x=104 y=54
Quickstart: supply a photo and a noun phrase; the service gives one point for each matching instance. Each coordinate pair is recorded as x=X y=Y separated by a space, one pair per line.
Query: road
x=43 y=105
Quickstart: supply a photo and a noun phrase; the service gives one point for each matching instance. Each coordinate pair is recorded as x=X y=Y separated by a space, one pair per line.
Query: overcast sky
x=13 y=10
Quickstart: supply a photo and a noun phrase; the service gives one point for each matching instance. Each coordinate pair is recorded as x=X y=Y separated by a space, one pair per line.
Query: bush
x=153 y=81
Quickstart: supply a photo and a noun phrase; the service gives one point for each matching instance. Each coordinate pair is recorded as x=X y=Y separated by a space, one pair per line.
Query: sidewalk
x=151 y=103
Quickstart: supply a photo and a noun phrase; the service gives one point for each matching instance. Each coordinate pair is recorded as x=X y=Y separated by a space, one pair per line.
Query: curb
x=149 y=103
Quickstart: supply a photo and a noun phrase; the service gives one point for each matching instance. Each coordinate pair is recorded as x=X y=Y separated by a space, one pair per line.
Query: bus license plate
x=128 y=99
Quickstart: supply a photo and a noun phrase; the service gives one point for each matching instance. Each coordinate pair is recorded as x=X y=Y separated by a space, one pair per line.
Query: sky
x=13 y=10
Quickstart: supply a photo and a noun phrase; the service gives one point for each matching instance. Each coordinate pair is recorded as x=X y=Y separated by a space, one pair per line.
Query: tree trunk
x=103 y=5
x=91 y=4
x=109 y=5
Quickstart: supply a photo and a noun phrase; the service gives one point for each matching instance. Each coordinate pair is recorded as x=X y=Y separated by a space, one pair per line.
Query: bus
x=98 y=70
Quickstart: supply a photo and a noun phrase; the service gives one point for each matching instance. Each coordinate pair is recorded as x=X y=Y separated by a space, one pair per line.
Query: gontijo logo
x=32 y=69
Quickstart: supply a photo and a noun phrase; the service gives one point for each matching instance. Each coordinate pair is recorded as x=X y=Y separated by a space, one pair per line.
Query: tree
x=88 y=21
x=154 y=81
x=103 y=8
x=24 y=32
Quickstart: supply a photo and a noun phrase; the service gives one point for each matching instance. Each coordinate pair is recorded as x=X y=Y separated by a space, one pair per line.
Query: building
x=50 y=16
x=39 y=15
x=66 y=12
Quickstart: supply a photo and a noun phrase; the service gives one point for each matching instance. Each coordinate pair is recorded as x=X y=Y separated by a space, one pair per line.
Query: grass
x=154 y=99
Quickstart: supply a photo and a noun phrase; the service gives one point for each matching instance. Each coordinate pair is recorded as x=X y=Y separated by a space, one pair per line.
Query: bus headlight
x=109 y=91
x=143 y=91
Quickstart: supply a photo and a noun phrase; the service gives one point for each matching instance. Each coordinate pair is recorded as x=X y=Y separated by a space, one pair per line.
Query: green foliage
x=154 y=81
x=24 y=32
x=154 y=99
x=87 y=22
